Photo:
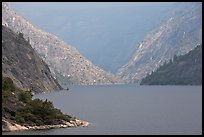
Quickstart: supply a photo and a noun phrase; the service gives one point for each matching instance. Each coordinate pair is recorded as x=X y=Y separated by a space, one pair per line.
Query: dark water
x=129 y=109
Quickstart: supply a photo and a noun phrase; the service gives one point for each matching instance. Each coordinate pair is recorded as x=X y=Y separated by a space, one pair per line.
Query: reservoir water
x=128 y=109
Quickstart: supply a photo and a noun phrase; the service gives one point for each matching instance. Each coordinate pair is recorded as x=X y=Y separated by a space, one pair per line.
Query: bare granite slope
x=23 y=65
x=61 y=58
x=176 y=35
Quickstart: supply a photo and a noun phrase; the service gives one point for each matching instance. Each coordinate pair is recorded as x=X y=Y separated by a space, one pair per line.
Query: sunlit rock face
x=176 y=35
x=21 y=63
x=62 y=59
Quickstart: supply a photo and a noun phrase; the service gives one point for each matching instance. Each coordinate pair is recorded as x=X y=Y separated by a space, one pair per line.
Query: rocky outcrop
x=21 y=112
x=21 y=63
x=11 y=126
x=176 y=35
x=61 y=58
x=182 y=70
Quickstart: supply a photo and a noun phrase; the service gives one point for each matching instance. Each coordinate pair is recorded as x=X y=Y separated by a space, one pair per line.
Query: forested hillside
x=183 y=70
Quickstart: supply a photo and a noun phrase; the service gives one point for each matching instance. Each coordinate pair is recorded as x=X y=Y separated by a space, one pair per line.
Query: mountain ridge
x=107 y=36
x=60 y=57
x=176 y=35
x=23 y=65
x=183 y=70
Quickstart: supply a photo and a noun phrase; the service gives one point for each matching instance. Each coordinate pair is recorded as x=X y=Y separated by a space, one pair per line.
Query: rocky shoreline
x=9 y=126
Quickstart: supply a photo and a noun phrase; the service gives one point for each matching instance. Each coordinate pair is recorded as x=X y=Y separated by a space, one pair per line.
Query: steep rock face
x=23 y=65
x=61 y=58
x=105 y=39
x=176 y=35
x=183 y=70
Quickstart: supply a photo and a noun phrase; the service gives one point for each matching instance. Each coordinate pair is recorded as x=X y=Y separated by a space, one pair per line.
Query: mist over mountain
x=62 y=59
x=132 y=39
x=105 y=33
x=176 y=35
x=183 y=70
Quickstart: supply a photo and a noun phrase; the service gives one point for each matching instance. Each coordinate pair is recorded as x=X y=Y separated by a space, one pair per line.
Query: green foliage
x=41 y=112
x=19 y=118
x=7 y=84
x=5 y=109
x=12 y=117
x=39 y=122
x=32 y=112
x=6 y=93
x=25 y=96
x=183 y=70
x=64 y=117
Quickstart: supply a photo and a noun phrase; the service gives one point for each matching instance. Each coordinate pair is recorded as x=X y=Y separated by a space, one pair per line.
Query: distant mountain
x=21 y=63
x=62 y=59
x=105 y=33
x=183 y=70
x=176 y=35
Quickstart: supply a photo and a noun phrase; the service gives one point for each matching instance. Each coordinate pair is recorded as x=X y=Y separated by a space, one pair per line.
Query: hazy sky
x=79 y=3
x=86 y=4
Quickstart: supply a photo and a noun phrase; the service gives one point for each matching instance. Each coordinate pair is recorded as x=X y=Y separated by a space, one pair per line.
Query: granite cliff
x=21 y=63
x=62 y=59
x=181 y=70
x=177 y=34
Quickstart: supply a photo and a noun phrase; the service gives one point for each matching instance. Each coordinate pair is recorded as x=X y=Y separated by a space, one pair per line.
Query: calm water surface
x=129 y=109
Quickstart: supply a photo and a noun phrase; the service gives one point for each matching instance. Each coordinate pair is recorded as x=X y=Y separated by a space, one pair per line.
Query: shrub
x=6 y=93
x=6 y=109
x=19 y=119
x=39 y=122
x=25 y=96
x=7 y=84
x=35 y=112
x=12 y=117
x=63 y=117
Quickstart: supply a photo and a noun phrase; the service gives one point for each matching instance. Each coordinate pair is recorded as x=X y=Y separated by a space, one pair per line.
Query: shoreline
x=9 y=127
